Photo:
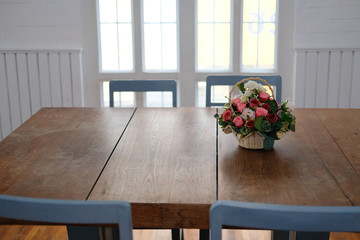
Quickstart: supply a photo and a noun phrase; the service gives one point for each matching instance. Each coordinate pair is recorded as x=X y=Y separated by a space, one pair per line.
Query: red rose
x=227 y=115
x=238 y=121
x=240 y=107
x=272 y=117
x=236 y=101
x=250 y=124
x=261 y=112
x=254 y=103
x=266 y=106
x=264 y=96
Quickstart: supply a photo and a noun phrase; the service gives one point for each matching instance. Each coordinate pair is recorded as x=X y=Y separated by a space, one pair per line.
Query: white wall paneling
x=327 y=78
x=32 y=79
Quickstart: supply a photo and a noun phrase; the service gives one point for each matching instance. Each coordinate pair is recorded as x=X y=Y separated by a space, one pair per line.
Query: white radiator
x=32 y=79
x=327 y=78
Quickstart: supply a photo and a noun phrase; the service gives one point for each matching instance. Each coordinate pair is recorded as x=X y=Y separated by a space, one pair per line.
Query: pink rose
x=236 y=101
x=261 y=112
x=266 y=106
x=272 y=117
x=240 y=107
x=238 y=121
x=254 y=103
x=227 y=115
x=264 y=96
x=250 y=124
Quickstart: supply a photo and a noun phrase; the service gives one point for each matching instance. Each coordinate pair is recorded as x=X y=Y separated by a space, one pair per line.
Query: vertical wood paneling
x=334 y=78
x=24 y=93
x=30 y=80
x=322 y=80
x=44 y=77
x=345 y=79
x=13 y=88
x=300 y=80
x=77 y=84
x=34 y=83
x=5 y=123
x=355 y=86
x=55 y=83
x=65 y=75
x=311 y=78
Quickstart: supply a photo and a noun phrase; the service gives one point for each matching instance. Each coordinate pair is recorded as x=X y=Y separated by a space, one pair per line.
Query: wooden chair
x=282 y=217
x=68 y=212
x=231 y=80
x=142 y=86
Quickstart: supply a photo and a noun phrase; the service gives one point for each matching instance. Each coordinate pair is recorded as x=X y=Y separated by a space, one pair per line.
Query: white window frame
x=99 y=41
x=143 y=42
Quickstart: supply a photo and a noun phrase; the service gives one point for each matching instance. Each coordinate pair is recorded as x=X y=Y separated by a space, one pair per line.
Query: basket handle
x=244 y=80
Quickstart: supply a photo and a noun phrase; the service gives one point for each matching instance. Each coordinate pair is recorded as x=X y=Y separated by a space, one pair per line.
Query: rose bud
x=227 y=115
x=254 y=103
x=250 y=124
x=266 y=106
x=240 y=107
x=272 y=117
x=236 y=101
x=238 y=121
x=261 y=112
x=264 y=96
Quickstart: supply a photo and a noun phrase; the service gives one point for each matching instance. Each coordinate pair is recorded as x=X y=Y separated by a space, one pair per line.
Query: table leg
x=204 y=234
x=82 y=233
x=285 y=235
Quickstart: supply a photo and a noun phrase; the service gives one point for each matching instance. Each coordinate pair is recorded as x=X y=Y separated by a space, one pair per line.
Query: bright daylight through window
x=160 y=35
x=116 y=35
x=259 y=36
x=213 y=35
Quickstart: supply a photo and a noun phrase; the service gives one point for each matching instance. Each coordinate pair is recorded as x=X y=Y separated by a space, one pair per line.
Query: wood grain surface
x=60 y=152
x=168 y=157
x=304 y=168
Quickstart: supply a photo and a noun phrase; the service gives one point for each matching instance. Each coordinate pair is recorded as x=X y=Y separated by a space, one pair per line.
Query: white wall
x=327 y=23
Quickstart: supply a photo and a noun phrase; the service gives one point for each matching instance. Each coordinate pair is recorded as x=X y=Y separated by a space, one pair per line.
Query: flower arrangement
x=255 y=112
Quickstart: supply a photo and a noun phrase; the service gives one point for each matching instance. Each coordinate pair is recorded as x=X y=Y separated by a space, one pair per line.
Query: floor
x=59 y=233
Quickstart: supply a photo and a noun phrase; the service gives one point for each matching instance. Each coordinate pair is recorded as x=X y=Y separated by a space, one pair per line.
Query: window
x=213 y=35
x=160 y=35
x=259 y=36
x=116 y=36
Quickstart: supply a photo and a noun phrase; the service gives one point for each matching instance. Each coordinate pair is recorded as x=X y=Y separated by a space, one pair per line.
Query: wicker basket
x=254 y=140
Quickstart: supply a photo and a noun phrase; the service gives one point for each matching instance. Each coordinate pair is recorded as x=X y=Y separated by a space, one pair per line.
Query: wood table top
x=171 y=164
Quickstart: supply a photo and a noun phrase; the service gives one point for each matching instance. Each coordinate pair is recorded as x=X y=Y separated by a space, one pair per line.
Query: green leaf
x=223 y=123
x=283 y=106
x=242 y=87
x=216 y=115
x=285 y=117
x=273 y=106
x=258 y=123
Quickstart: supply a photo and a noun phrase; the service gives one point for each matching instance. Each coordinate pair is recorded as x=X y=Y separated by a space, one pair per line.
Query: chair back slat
x=68 y=212
x=143 y=86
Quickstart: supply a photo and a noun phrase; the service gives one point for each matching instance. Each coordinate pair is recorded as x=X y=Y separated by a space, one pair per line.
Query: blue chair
x=282 y=217
x=142 y=86
x=67 y=212
x=231 y=80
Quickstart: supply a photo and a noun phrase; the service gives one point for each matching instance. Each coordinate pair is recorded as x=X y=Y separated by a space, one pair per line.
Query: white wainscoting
x=327 y=78
x=32 y=79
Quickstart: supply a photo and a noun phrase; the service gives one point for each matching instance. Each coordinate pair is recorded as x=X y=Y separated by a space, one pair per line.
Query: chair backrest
x=231 y=80
x=67 y=212
x=282 y=217
x=142 y=86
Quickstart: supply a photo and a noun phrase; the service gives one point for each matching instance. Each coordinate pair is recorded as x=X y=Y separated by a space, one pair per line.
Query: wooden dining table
x=171 y=164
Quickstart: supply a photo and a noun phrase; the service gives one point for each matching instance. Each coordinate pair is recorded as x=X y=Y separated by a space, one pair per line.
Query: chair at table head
x=231 y=80
x=68 y=212
x=282 y=217
x=143 y=86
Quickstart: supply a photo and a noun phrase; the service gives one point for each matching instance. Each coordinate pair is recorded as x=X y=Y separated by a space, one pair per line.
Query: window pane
x=213 y=35
x=152 y=42
x=109 y=56
x=160 y=35
x=258 y=35
x=158 y=99
x=116 y=35
x=107 y=11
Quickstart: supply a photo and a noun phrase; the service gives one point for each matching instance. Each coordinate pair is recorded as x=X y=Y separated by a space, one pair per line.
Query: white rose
x=248 y=114
x=243 y=99
x=248 y=93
